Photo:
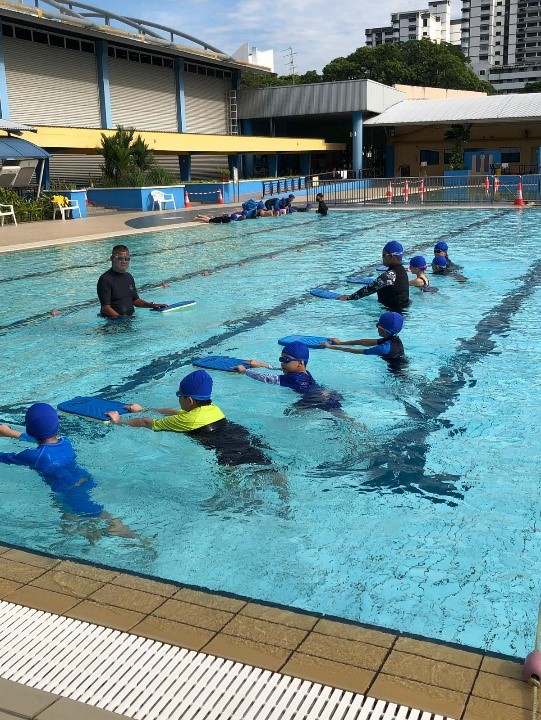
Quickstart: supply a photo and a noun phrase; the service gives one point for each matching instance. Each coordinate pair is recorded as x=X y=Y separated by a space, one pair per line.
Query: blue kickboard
x=174 y=306
x=326 y=294
x=311 y=341
x=360 y=280
x=93 y=408
x=218 y=362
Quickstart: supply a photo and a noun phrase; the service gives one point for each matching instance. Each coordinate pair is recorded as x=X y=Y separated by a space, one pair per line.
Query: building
x=432 y=24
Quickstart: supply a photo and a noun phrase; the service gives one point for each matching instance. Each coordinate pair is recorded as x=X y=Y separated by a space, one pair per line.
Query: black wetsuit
x=392 y=287
x=118 y=290
x=220 y=219
x=322 y=208
x=233 y=444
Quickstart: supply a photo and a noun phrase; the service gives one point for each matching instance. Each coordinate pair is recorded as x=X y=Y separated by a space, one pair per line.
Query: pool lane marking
x=186 y=276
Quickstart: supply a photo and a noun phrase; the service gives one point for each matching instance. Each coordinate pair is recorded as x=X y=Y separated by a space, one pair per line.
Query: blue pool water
x=420 y=514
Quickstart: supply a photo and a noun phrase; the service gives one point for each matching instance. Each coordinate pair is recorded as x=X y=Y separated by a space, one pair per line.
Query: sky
x=309 y=32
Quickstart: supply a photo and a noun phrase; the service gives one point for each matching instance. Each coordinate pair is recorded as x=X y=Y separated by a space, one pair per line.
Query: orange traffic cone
x=422 y=190
x=220 y=198
x=389 y=193
x=186 y=199
x=519 y=200
x=487 y=184
x=406 y=191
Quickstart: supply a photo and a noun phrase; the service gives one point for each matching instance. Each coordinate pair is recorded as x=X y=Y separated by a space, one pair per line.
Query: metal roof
x=493 y=109
x=14 y=127
x=16 y=148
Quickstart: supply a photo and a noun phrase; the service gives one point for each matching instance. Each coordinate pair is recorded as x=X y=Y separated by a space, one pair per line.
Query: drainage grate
x=143 y=678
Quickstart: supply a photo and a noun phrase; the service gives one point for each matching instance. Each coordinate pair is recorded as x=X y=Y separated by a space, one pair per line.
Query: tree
x=459 y=136
x=533 y=87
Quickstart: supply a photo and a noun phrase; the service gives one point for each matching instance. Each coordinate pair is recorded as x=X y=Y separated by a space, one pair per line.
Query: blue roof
x=12 y=148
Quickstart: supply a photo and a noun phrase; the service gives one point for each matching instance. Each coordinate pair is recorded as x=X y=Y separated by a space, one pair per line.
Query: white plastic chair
x=7 y=213
x=72 y=205
x=162 y=199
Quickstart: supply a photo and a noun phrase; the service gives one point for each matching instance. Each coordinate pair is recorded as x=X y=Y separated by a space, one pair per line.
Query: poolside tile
x=503 y=690
x=265 y=632
x=247 y=651
x=328 y=672
x=437 y=651
x=203 y=617
x=174 y=633
x=481 y=709
x=210 y=600
x=280 y=616
x=127 y=598
x=113 y=617
x=31 y=558
x=20 y=572
x=145 y=585
x=89 y=571
x=350 y=652
x=500 y=666
x=355 y=632
x=430 y=672
x=418 y=695
x=23 y=700
x=65 y=709
x=8 y=586
x=42 y=599
x=67 y=583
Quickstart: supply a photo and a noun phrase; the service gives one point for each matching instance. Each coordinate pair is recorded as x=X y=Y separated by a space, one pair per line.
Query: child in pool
x=388 y=346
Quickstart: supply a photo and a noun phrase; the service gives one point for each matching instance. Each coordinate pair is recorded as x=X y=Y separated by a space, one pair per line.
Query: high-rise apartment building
x=432 y=24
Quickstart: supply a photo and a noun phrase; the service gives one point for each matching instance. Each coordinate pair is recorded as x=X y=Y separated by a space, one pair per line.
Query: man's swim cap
x=393 y=248
x=197 y=385
x=234 y=216
x=41 y=421
x=441 y=246
x=440 y=261
x=260 y=205
x=391 y=322
x=297 y=350
x=418 y=262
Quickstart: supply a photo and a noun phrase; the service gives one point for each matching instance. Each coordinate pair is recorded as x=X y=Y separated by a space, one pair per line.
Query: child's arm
x=416 y=283
x=262 y=377
x=343 y=349
x=6 y=431
x=136 y=422
x=336 y=341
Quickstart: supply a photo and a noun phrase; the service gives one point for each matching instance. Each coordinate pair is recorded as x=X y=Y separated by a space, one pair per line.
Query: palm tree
x=459 y=136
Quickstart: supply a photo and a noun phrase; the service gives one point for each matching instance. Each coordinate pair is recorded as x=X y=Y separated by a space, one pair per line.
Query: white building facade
x=433 y=24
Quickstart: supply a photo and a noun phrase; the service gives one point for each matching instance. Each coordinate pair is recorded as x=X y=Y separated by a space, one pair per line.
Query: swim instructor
x=116 y=287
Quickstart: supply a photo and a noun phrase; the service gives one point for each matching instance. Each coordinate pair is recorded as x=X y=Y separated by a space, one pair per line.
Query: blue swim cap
x=297 y=350
x=394 y=248
x=234 y=216
x=197 y=385
x=260 y=205
x=41 y=421
x=418 y=262
x=441 y=246
x=391 y=322
x=439 y=261
x=291 y=196
x=244 y=212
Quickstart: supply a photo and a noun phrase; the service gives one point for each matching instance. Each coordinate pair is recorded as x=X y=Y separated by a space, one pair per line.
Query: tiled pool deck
x=460 y=683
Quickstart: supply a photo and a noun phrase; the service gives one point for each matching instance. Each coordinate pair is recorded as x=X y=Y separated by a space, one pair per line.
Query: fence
x=280 y=185
x=449 y=189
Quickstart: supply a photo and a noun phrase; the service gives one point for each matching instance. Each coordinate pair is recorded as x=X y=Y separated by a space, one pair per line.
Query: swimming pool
x=420 y=516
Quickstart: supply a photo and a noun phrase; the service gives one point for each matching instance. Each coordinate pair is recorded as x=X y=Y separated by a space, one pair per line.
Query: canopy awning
x=12 y=148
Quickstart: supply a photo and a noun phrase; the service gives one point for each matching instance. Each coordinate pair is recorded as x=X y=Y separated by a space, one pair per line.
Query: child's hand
x=6 y=431
x=133 y=407
x=335 y=341
x=325 y=344
x=255 y=363
x=114 y=416
x=344 y=297
x=240 y=368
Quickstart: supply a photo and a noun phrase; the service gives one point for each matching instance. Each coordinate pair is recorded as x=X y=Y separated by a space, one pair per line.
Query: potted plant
x=224 y=174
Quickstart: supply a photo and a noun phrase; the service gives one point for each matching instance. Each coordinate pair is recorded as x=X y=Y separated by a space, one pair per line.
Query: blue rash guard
x=57 y=465
x=314 y=395
x=388 y=348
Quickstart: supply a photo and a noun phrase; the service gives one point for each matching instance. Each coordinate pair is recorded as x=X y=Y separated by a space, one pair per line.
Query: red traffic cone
x=519 y=200
x=487 y=184
x=186 y=199
x=422 y=190
x=389 y=194
x=406 y=191
x=220 y=198
x=496 y=184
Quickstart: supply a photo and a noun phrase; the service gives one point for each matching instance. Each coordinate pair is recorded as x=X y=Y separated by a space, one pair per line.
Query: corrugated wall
x=206 y=110
x=51 y=86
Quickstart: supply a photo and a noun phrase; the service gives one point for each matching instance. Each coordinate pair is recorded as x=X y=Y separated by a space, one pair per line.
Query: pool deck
x=461 y=683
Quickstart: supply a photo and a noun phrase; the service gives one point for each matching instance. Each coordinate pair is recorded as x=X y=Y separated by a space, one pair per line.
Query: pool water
x=417 y=511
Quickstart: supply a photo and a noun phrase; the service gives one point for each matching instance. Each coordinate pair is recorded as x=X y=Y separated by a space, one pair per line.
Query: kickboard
x=311 y=341
x=92 y=408
x=326 y=294
x=360 y=280
x=174 y=306
x=218 y=362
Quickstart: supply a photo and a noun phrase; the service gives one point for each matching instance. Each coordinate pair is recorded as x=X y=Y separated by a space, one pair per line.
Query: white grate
x=143 y=678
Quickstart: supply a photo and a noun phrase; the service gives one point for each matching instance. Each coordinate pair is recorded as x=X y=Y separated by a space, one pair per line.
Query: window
x=483 y=38
x=430 y=157
x=510 y=154
x=483 y=57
